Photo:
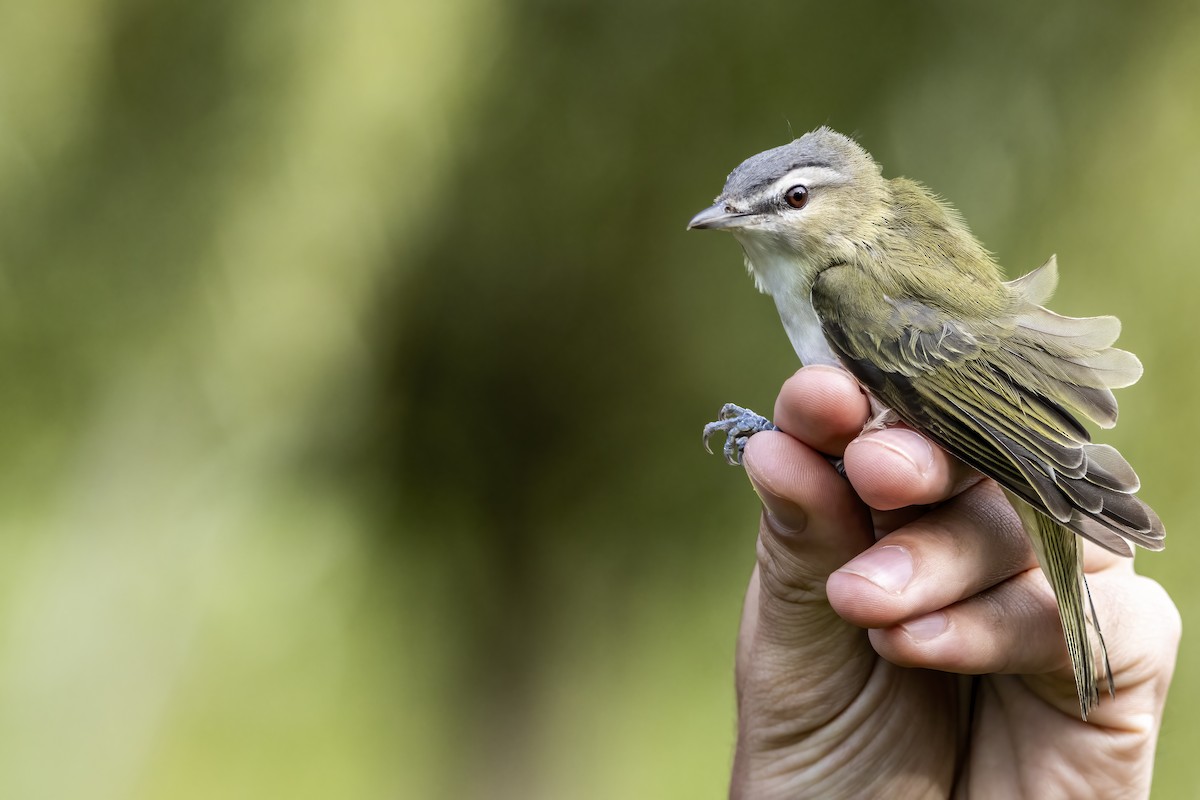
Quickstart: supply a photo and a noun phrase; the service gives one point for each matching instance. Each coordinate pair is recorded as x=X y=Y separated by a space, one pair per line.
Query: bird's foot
x=738 y=424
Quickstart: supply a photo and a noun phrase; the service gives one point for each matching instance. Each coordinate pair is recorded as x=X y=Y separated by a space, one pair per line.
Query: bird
x=883 y=278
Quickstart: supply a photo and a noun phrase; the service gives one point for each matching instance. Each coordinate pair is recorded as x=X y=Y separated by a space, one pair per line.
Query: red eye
x=797 y=196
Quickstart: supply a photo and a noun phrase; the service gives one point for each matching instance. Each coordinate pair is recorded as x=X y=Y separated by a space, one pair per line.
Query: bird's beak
x=718 y=216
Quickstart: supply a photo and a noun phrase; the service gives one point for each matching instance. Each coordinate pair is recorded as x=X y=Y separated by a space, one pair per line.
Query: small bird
x=884 y=278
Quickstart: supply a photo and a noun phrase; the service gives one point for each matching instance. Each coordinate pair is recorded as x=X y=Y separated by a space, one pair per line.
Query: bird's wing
x=1004 y=397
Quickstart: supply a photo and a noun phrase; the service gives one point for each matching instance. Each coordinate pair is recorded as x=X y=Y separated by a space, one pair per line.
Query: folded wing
x=1005 y=396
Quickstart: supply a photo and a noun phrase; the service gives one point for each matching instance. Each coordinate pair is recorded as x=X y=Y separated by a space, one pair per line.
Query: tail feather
x=1060 y=554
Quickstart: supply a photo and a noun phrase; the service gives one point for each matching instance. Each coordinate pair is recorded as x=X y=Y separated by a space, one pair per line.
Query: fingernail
x=890 y=568
x=927 y=627
x=783 y=515
x=909 y=445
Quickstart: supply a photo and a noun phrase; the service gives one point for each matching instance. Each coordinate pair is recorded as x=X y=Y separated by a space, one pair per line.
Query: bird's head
x=813 y=198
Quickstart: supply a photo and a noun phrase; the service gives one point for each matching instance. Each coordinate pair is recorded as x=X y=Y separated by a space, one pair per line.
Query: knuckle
x=783 y=577
x=1160 y=607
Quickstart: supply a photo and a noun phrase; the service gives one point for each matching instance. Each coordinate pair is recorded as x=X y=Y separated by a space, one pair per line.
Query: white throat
x=788 y=279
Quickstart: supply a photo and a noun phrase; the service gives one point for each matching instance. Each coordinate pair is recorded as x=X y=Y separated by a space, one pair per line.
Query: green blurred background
x=354 y=358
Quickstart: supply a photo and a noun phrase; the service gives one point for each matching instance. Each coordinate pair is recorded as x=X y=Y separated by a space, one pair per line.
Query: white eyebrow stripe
x=809 y=176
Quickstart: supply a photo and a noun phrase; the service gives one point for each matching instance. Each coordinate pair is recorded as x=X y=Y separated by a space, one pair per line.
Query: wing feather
x=1004 y=396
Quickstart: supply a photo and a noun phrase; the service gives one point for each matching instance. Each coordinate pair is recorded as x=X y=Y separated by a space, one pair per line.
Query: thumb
x=798 y=662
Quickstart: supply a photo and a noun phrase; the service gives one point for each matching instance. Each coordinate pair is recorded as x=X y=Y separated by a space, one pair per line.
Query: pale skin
x=864 y=630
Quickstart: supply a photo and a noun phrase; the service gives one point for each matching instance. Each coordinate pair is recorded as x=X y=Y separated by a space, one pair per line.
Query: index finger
x=896 y=467
x=823 y=407
x=826 y=408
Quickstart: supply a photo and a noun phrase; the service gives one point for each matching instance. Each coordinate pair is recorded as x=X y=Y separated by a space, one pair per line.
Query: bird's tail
x=1060 y=554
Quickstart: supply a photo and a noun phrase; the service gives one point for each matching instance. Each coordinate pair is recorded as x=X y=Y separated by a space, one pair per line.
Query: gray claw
x=738 y=424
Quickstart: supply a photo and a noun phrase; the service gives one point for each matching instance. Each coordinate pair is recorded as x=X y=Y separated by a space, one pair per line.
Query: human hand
x=899 y=640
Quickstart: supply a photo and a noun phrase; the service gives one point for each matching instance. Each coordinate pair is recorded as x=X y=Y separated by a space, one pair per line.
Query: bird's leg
x=738 y=424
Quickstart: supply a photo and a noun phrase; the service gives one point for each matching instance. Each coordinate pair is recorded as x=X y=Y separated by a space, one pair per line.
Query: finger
x=971 y=543
x=822 y=406
x=1014 y=628
x=1011 y=628
x=1142 y=627
x=896 y=467
x=799 y=662
x=812 y=524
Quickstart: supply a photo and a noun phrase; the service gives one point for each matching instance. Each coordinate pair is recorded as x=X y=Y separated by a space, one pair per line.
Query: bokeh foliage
x=354 y=358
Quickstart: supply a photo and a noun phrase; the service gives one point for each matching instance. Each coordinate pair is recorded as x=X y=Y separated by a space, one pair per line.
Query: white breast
x=789 y=282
